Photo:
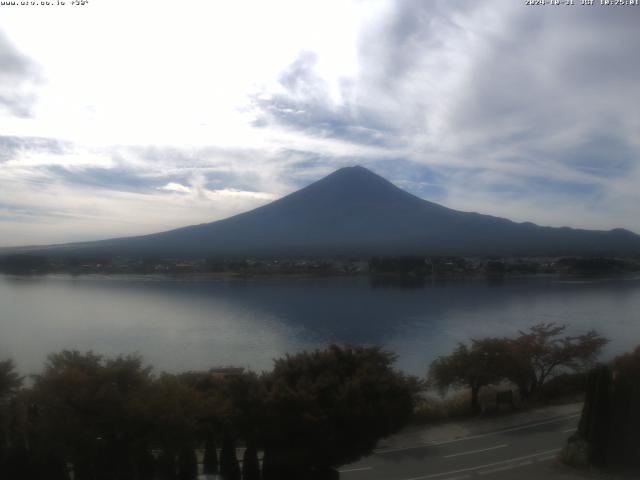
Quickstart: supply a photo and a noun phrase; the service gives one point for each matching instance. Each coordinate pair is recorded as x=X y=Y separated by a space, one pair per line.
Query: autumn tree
x=528 y=360
x=544 y=350
x=473 y=366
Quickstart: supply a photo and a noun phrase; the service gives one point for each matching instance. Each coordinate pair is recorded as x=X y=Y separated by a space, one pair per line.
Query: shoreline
x=380 y=279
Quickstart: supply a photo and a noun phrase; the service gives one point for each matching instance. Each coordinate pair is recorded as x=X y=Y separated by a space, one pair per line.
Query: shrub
x=564 y=386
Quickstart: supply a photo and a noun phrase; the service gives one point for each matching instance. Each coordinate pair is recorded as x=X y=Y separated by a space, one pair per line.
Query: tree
x=10 y=381
x=240 y=402
x=625 y=399
x=250 y=464
x=166 y=466
x=146 y=465
x=187 y=464
x=595 y=422
x=542 y=351
x=21 y=264
x=330 y=407
x=274 y=466
x=172 y=409
x=607 y=434
x=89 y=408
x=474 y=366
x=210 y=459
x=229 y=468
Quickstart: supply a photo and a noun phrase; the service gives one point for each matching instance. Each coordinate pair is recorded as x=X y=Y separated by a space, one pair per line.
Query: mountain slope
x=356 y=212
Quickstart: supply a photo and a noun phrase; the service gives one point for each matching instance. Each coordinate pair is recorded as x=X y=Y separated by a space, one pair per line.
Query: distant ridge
x=355 y=212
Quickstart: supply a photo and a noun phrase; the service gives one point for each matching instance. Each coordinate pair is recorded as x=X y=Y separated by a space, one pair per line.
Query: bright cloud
x=175 y=187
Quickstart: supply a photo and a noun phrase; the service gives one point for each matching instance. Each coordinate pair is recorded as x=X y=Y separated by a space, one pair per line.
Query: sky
x=128 y=117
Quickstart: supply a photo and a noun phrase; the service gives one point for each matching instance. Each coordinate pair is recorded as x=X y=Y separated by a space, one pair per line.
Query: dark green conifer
x=597 y=424
x=250 y=464
x=187 y=464
x=229 y=468
x=210 y=461
x=166 y=466
x=145 y=464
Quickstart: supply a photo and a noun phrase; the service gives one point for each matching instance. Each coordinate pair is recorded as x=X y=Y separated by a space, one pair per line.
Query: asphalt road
x=522 y=452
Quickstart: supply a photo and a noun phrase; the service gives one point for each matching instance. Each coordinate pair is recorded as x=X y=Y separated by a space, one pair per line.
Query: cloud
x=175 y=187
x=550 y=97
x=18 y=74
x=13 y=146
x=304 y=102
x=115 y=178
x=554 y=128
x=80 y=158
x=232 y=192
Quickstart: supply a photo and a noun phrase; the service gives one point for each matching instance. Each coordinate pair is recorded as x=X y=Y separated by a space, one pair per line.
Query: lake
x=179 y=324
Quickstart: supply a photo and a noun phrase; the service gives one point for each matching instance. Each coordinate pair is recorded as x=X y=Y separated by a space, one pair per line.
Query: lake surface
x=179 y=324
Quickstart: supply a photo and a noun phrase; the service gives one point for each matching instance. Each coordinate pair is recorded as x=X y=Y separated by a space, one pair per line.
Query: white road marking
x=471 y=452
x=569 y=430
x=505 y=468
x=361 y=469
x=478 y=467
x=496 y=470
x=546 y=459
x=473 y=437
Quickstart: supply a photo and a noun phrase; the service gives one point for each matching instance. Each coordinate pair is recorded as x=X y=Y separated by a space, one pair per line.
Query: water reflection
x=178 y=324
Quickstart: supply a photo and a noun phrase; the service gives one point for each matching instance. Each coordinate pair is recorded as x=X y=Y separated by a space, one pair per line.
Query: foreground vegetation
x=607 y=435
x=115 y=419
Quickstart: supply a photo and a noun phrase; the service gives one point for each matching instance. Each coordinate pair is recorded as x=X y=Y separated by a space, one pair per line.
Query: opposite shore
x=408 y=268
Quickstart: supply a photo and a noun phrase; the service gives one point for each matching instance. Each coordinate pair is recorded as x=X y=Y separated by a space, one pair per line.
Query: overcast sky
x=126 y=117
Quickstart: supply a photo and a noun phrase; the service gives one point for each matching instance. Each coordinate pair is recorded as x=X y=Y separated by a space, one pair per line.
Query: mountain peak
x=348 y=183
x=353 y=168
x=356 y=175
x=353 y=171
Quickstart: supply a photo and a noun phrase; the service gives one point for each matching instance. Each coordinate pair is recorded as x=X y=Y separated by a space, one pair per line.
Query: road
x=524 y=452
